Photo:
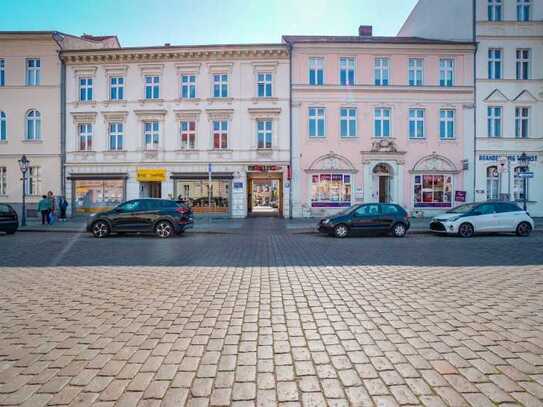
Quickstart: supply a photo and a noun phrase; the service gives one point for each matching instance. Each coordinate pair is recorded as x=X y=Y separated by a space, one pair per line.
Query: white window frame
x=154 y=84
x=347 y=65
x=348 y=118
x=494 y=117
x=522 y=121
x=190 y=134
x=219 y=83
x=446 y=72
x=222 y=131
x=523 y=62
x=264 y=79
x=151 y=135
x=188 y=85
x=493 y=7
x=316 y=65
x=85 y=137
x=495 y=60
x=33 y=116
x=320 y=115
x=3 y=126
x=445 y=118
x=32 y=181
x=118 y=87
x=33 y=66
x=381 y=71
x=2 y=72
x=416 y=72
x=267 y=134
x=524 y=10
x=85 y=88
x=3 y=180
x=380 y=116
x=114 y=132
x=418 y=123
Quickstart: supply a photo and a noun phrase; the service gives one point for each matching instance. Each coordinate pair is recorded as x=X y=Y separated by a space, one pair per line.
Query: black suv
x=367 y=218
x=8 y=219
x=163 y=217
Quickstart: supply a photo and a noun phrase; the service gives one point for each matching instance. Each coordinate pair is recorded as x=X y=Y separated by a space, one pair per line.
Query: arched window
x=33 y=125
x=3 y=127
x=492 y=182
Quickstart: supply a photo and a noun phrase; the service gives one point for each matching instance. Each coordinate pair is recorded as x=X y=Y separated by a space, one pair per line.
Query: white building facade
x=205 y=124
x=509 y=90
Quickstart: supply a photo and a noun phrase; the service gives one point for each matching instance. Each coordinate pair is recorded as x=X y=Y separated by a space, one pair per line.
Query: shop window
x=195 y=193
x=97 y=195
x=492 y=182
x=331 y=190
x=433 y=191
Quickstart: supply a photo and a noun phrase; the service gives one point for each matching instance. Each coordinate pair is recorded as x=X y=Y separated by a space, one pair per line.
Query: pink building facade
x=380 y=119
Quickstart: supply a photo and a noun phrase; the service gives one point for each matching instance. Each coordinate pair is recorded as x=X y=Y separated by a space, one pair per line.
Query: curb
x=211 y=232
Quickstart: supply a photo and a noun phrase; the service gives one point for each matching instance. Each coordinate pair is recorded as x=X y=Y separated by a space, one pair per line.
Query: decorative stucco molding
x=434 y=163
x=331 y=162
x=83 y=117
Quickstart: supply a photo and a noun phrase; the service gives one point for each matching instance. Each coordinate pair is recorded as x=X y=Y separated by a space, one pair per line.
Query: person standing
x=44 y=207
x=52 y=207
x=62 y=205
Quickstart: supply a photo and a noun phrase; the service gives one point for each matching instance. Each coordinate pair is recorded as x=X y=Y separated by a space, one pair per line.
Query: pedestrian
x=44 y=206
x=62 y=205
x=52 y=207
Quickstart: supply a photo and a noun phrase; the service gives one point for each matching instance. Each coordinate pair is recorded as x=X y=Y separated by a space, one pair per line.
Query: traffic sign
x=528 y=174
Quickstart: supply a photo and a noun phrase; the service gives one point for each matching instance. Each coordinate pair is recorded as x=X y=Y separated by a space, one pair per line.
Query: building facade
x=205 y=124
x=30 y=111
x=509 y=90
x=380 y=119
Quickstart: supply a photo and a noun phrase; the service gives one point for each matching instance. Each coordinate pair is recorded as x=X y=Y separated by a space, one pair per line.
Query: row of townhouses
x=428 y=119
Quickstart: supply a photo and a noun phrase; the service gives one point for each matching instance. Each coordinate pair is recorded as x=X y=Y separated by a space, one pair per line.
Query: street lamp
x=23 y=165
x=523 y=161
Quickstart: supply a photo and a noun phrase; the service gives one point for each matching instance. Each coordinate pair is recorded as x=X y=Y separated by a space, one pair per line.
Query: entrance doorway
x=265 y=196
x=382 y=173
x=150 y=189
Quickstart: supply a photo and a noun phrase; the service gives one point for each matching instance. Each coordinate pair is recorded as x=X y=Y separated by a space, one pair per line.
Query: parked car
x=367 y=218
x=467 y=219
x=9 y=222
x=163 y=217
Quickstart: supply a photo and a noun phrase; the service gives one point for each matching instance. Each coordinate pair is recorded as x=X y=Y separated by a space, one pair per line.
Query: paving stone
x=244 y=391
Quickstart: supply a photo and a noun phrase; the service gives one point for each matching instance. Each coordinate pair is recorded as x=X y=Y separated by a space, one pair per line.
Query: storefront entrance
x=265 y=195
x=151 y=189
x=382 y=173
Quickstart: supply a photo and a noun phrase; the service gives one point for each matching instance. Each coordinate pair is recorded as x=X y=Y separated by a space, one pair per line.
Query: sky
x=187 y=22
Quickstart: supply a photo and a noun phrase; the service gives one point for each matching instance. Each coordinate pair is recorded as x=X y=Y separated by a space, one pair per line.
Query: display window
x=97 y=195
x=331 y=190
x=195 y=193
x=433 y=191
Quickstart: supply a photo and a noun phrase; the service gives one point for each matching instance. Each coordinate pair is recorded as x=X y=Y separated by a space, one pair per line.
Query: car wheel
x=100 y=229
x=341 y=231
x=399 y=230
x=10 y=232
x=164 y=229
x=466 y=230
x=524 y=229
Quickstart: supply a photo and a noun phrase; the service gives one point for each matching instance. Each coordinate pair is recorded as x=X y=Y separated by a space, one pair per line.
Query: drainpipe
x=58 y=37
x=474 y=34
x=290 y=128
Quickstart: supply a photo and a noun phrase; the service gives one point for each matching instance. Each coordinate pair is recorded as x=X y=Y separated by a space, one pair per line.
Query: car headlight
x=454 y=218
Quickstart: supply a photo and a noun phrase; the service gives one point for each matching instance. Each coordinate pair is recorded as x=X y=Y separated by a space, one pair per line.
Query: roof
x=356 y=39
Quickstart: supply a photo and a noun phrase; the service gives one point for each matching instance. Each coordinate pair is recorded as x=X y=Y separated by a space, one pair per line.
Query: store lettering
x=496 y=157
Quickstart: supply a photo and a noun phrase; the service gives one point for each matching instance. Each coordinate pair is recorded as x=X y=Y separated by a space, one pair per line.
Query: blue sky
x=154 y=22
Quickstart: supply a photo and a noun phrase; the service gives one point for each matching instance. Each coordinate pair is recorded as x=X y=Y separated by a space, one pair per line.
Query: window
x=492 y=182
x=523 y=10
x=3 y=127
x=494 y=121
x=446 y=124
x=33 y=181
x=85 y=137
x=151 y=135
x=3 y=181
x=33 y=125
x=152 y=87
x=416 y=71
x=220 y=134
x=433 y=191
x=220 y=86
x=116 y=88
x=346 y=71
x=520 y=185
x=348 y=122
x=494 y=63
x=381 y=71
x=115 y=136
x=2 y=73
x=523 y=64
x=85 y=89
x=316 y=71
x=196 y=192
x=188 y=86
x=316 y=122
x=504 y=207
x=32 y=72
x=97 y=195
x=264 y=134
x=264 y=85
x=188 y=135
x=494 y=10
x=331 y=190
x=416 y=123
x=522 y=119
x=446 y=72
x=381 y=121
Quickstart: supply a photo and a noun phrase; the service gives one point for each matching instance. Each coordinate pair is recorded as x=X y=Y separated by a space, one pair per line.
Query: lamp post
x=523 y=161
x=23 y=165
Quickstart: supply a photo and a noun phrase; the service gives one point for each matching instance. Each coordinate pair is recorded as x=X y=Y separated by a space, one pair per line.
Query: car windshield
x=346 y=210
x=462 y=208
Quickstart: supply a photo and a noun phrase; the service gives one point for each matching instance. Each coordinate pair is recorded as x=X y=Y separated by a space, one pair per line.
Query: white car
x=483 y=217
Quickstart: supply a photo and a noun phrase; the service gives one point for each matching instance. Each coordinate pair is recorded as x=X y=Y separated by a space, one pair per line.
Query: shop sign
x=460 y=196
x=238 y=185
x=264 y=168
x=151 y=174
x=528 y=174
x=497 y=157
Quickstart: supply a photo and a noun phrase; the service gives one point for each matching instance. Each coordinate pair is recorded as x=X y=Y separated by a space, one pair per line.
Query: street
x=266 y=316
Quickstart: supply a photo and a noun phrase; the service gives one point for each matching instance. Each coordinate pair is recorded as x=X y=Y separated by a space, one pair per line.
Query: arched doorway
x=382 y=175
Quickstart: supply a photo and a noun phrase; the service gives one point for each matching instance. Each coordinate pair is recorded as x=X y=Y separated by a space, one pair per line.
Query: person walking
x=62 y=205
x=44 y=207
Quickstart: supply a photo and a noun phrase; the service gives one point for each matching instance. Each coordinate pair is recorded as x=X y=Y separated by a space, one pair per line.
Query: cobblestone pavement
x=271 y=333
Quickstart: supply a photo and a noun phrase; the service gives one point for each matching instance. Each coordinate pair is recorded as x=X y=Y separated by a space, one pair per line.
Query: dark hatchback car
x=163 y=217
x=375 y=218
x=9 y=222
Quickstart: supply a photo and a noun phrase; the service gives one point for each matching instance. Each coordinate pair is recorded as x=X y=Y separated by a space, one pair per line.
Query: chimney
x=167 y=44
x=365 y=31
